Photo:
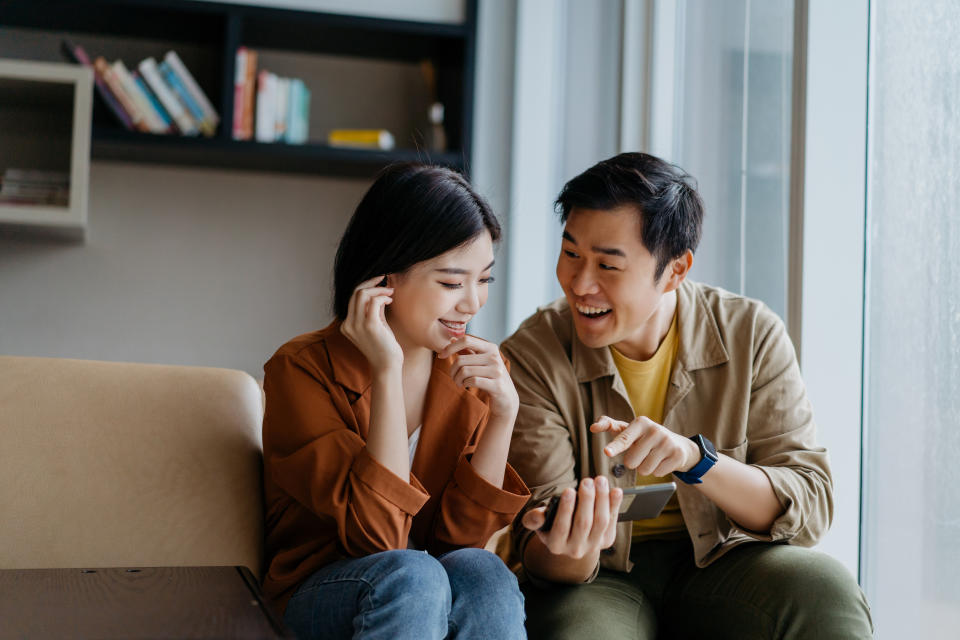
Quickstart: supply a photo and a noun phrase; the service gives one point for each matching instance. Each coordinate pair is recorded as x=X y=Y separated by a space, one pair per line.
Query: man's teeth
x=592 y=311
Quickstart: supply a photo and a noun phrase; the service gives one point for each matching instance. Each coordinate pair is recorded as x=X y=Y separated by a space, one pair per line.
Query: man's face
x=607 y=276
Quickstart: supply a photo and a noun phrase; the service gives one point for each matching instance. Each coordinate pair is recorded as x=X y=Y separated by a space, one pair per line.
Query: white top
x=413 y=441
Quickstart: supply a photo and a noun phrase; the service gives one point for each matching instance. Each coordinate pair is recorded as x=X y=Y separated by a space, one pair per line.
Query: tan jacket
x=735 y=380
x=327 y=498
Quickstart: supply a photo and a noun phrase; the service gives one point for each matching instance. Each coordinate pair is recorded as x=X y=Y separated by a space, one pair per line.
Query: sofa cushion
x=106 y=464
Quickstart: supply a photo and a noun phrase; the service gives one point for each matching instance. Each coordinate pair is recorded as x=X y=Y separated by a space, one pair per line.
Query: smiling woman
x=386 y=433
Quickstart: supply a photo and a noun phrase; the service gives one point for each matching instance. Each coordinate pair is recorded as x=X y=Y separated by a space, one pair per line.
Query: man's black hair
x=664 y=195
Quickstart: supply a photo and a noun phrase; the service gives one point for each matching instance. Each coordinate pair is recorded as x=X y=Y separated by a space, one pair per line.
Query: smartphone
x=639 y=503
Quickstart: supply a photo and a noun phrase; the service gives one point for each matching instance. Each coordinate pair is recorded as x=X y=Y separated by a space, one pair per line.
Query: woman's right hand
x=366 y=325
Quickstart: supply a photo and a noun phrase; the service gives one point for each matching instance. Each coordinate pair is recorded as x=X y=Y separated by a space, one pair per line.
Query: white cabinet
x=45 y=111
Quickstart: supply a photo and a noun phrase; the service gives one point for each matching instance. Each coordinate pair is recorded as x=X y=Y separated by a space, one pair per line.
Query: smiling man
x=639 y=376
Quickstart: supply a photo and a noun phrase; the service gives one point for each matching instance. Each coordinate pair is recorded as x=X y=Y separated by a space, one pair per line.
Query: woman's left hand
x=479 y=365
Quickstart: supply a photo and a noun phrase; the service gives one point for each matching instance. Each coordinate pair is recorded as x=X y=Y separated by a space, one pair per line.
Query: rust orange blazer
x=327 y=498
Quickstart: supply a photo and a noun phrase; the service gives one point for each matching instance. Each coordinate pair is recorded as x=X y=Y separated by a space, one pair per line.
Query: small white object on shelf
x=45 y=126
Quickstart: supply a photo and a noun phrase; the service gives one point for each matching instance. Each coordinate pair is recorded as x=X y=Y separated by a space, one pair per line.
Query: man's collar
x=700 y=343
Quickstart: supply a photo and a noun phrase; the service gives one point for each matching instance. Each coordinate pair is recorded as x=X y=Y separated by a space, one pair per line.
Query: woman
x=386 y=433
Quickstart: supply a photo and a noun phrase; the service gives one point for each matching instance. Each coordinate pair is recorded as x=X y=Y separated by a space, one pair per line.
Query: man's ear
x=677 y=270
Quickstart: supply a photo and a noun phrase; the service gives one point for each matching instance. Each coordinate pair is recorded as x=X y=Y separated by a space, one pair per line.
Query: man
x=638 y=376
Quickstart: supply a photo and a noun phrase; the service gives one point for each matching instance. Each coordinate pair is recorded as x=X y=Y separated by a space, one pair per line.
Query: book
x=210 y=115
x=361 y=138
x=103 y=68
x=168 y=124
x=14 y=174
x=298 y=118
x=151 y=74
x=266 y=106
x=239 y=79
x=176 y=85
x=290 y=135
x=249 y=93
x=77 y=54
x=280 y=110
x=37 y=187
x=150 y=116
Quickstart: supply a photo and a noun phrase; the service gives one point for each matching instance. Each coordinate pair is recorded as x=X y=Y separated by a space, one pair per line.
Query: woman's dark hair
x=664 y=195
x=411 y=213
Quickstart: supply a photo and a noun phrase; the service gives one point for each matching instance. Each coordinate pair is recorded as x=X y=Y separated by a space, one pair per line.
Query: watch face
x=707 y=447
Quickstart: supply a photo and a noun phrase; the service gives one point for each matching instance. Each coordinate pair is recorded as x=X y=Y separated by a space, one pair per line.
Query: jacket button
x=609 y=551
x=619 y=469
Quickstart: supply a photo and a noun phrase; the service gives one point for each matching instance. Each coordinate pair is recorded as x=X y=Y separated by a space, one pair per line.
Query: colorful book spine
x=299 y=118
x=361 y=138
x=173 y=80
x=79 y=55
x=210 y=115
x=239 y=78
x=280 y=109
x=249 y=93
x=103 y=68
x=151 y=74
x=290 y=135
x=151 y=117
x=266 y=104
x=168 y=124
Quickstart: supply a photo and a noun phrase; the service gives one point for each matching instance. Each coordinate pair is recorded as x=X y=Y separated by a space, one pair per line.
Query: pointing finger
x=606 y=423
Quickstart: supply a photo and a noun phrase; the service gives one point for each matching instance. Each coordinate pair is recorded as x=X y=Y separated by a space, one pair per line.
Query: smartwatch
x=708 y=458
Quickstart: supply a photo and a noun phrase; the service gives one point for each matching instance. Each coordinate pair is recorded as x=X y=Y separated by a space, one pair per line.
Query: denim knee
x=413 y=574
x=400 y=594
x=486 y=596
x=477 y=564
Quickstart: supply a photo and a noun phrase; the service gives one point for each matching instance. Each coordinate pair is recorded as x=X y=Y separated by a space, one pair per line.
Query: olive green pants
x=755 y=591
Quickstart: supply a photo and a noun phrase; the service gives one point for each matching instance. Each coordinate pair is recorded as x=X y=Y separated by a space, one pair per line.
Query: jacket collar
x=701 y=345
x=350 y=368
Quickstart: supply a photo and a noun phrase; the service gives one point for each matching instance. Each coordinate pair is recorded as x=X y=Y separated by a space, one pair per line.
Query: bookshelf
x=45 y=126
x=363 y=72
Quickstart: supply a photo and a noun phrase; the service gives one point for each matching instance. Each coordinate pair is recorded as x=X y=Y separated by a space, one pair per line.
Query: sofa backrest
x=107 y=464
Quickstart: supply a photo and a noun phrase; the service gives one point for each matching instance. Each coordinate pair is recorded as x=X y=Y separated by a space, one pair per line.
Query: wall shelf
x=45 y=125
x=208 y=35
x=111 y=143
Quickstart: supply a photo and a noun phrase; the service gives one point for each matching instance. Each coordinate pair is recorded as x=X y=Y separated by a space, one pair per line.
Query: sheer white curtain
x=728 y=66
x=911 y=475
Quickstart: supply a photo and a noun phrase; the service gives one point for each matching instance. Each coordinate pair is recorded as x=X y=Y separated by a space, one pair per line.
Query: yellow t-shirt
x=647 y=382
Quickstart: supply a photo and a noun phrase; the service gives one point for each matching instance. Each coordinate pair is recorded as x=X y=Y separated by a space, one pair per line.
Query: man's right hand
x=581 y=532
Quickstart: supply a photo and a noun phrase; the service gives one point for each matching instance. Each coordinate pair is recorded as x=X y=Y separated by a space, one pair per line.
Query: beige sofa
x=106 y=464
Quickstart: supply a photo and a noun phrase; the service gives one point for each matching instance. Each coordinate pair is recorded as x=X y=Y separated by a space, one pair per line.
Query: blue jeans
x=467 y=593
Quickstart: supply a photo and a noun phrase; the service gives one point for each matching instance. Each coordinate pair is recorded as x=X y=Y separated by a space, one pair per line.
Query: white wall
x=181 y=266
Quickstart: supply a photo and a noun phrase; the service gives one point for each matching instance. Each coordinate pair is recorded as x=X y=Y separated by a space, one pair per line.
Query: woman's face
x=433 y=300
